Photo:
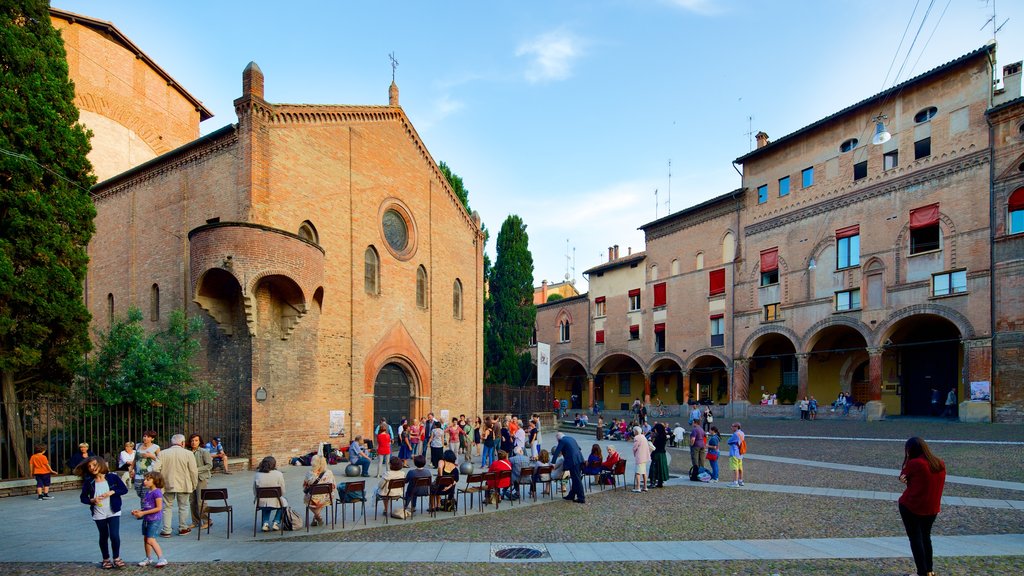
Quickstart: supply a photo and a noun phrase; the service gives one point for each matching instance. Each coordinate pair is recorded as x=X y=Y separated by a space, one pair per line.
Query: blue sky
x=568 y=112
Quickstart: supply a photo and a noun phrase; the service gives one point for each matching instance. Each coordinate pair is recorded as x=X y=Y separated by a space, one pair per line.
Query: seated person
x=445 y=468
x=578 y=422
x=500 y=464
x=543 y=459
x=220 y=458
x=358 y=455
x=395 y=471
x=420 y=471
x=622 y=428
x=593 y=464
x=584 y=420
x=608 y=466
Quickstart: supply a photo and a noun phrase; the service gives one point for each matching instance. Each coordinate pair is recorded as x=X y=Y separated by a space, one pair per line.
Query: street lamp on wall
x=261 y=394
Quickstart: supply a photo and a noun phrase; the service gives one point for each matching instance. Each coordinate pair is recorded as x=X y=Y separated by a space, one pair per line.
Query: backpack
x=695 y=474
x=743 y=445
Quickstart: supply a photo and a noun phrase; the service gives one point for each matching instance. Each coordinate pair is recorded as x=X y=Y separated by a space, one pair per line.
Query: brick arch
x=207 y=294
x=662 y=356
x=396 y=346
x=962 y=323
x=249 y=300
x=754 y=277
x=563 y=314
x=123 y=115
x=764 y=331
x=818 y=248
x=810 y=336
x=568 y=358
x=692 y=358
x=948 y=233
x=619 y=352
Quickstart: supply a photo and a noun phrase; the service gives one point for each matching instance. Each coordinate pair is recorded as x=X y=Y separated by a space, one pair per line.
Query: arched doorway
x=622 y=381
x=709 y=380
x=773 y=369
x=392 y=395
x=569 y=383
x=930 y=356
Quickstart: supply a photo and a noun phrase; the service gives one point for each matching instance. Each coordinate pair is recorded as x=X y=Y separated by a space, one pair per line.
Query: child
x=102 y=491
x=714 y=440
x=41 y=469
x=152 y=509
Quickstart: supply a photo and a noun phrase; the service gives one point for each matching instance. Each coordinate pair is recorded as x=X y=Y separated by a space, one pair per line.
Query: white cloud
x=705 y=7
x=552 y=55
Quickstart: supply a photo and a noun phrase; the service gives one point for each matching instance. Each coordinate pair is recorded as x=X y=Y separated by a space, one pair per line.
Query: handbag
x=306 y=489
x=712 y=457
x=291 y=520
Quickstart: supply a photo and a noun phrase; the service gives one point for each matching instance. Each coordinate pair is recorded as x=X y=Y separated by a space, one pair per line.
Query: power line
x=52 y=172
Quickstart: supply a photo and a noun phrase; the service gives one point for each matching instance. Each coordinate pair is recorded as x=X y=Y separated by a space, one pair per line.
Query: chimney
x=393 y=94
x=252 y=81
x=543 y=291
x=611 y=254
x=629 y=251
x=616 y=251
x=1011 y=81
x=762 y=139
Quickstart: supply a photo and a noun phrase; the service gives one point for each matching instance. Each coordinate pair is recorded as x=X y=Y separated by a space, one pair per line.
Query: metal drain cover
x=519 y=552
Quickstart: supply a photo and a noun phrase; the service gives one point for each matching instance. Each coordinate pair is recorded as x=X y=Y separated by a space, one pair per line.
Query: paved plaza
x=60 y=530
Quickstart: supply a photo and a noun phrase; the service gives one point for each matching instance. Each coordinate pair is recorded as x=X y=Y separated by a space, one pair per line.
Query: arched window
x=308 y=232
x=700 y=261
x=675 y=266
x=421 y=287
x=654 y=271
x=728 y=247
x=1015 y=220
x=457 y=299
x=154 y=303
x=110 y=309
x=563 y=330
x=371 y=271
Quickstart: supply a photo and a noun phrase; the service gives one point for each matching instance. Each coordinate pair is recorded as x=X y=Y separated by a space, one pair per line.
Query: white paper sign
x=543 y=364
x=336 y=427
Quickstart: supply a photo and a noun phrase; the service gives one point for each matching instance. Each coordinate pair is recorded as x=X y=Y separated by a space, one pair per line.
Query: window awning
x=924 y=216
x=659 y=328
x=770 y=259
x=848 y=231
x=599 y=300
x=717 y=316
x=716 y=282
x=1017 y=200
x=634 y=292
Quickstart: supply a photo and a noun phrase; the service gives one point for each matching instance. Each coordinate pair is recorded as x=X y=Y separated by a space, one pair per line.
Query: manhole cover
x=520 y=552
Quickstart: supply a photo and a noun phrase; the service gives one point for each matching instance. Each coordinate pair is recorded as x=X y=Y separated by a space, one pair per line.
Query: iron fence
x=518 y=400
x=61 y=425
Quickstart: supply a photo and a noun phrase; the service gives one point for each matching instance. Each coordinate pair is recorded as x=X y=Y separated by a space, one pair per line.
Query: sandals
x=118 y=563
x=107 y=564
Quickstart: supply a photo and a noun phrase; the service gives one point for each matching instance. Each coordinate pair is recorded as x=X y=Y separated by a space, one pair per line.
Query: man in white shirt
x=678 y=434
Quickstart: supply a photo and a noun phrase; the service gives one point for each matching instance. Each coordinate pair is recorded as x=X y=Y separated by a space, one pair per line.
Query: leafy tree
x=146 y=371
x=455 y=181
x=46 y=214
x=554 y=296
x=510 y=311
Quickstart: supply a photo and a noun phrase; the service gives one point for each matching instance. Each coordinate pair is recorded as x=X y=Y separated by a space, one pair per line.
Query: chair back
x=503 y=475
x=444 y=483
x=476 y=478
x=545 y=469
x=213 y=494
x=422 y=482
x=620 y=468
x=526 y=474
x=359 y=486
x=269 y=492
x=317 y=489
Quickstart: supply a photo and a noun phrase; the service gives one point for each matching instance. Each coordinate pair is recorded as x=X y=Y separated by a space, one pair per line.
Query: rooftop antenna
x=567 y=260
x=573 y=265
x=750 y=132
x=394 y=64
x=992 y=20
x=655 y=203
x=668 y=203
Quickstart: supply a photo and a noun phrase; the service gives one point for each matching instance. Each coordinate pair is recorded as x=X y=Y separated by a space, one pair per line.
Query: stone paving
x=59 y=530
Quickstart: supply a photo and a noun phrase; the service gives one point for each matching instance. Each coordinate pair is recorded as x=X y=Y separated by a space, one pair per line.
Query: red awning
x=634 y=292
x=634 y=328
x=769 y=259
x=659 y=294
x=659 y=328
x=848 y=231
x=924 y=216
x=717 y=316
x=716 y=282
x=1017 y=200
x=599 y=299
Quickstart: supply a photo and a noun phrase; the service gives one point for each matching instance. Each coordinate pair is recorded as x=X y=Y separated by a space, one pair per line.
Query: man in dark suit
x=572 y=459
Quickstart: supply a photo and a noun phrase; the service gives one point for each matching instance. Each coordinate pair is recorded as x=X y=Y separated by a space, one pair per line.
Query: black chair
x=321 y=489
x=526 y=479
x=266 y=493
x=446 y=488
x=502 y=476
x=420 y=489
x=205 y=496
x=542 y=470
x=474 y=484
x=393 y=485
x=351 y=493
x=591 y=478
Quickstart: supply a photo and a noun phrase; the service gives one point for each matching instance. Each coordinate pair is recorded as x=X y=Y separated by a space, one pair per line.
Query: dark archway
x=773 y=369
x=709 y=381
x=392 y=395
x=929 y=352
x=621 y=379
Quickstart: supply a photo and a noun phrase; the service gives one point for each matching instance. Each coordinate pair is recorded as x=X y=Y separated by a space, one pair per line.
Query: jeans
x=271 y=515
x=110 y=529
x=488 y=456
x=365 y=463
x=919 y=531
x=714 y=469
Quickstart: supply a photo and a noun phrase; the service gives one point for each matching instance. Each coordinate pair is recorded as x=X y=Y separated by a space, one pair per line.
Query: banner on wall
x=336 y=425
x=981 y=391
x=543 y=364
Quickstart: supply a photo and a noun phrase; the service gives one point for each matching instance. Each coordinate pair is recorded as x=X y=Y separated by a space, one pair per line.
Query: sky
x=587 y=118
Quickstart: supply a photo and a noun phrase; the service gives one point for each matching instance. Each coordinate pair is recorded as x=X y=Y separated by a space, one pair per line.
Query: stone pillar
x=874 y=409
x=801 y=375
x=647 y=388
x=590 y=391
x=977 y=368
x=686 y=387
x=738 y=401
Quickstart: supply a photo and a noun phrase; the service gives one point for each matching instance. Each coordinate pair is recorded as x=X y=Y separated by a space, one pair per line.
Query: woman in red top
x=500 y=465
x=383 y=449
x=925 y=475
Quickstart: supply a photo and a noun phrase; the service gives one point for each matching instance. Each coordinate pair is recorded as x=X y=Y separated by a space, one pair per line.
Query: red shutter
x=634 y=292
x=769 y=260
x=659 y=328
x=634 y=328
x=599 y=299
x=848 y=231
x=1017 y=200
x=717 y=316
x=599 y=337
x=716 y=282
x=924 y=216
x=659 y=294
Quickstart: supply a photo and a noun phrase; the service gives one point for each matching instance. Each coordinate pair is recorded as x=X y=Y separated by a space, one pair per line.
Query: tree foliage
x=455 y=181
x=46 y=214
x=510 y=311
x=555 y=296
x=146 y=370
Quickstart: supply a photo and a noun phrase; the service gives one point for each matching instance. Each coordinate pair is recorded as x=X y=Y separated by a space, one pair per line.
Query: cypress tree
x=510 y=312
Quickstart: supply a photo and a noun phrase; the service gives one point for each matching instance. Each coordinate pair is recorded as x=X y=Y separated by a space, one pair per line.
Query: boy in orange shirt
x=41 y=470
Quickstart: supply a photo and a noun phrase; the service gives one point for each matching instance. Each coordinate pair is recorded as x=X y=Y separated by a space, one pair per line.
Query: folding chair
x=502 y=476
x=446 y=488
x=526 y=479
x=386 y=497
x=474 y=484
x=417 y=484
x=541 y=471
x=265 y=493
x=322 y=489
x=208 y=494
x=351 y=493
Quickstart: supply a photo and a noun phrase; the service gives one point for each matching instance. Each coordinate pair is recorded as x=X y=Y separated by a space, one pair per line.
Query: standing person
x=436 y=444
x=950 y=403
x=268 y=476
x=428 y=429
x=695 y=414
x=80 y=458
x=709 y=419
x=925 y=476
x=805 y=409
x=152 y=509
x=642 y=457
x=41 y=469
x=178 y=467
x=518 y=438
x=659 y=458
x=145 y=460
x=698 y=445
x=643 y=413
x=557 y=406
x=415 y=436
x=454 y=433
x=572 y=460
x=714 y=440
x=487 y=437
x=735 y=455
x=383 y=447
x=678 y=433
x=477 y=436
x=813 y=407
x=404 y=444
x=126 y=462
x=204 y=469
x=102 y=491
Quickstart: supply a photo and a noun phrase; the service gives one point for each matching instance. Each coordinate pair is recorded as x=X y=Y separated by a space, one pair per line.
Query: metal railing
x=61 y=425
x=517 y=400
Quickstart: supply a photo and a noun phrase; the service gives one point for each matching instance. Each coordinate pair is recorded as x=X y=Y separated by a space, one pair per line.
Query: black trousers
x=575 y=485
x=110 y=530
x=919 y=531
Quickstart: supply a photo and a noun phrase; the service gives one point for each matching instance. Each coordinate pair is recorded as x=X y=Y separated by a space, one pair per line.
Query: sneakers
x=145 y=562
x=165 y=534
x=277 y=526
x=161 y=563
x=637 y=490
x=734 y=484
x=184 y=531
x=266 y=527
x=47 y=497
x=741 y=482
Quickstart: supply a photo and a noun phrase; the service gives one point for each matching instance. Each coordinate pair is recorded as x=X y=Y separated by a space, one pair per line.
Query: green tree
x=147 y=371
x=455 y=181
x=555 y=296
x=510 y=312
x=46 y=214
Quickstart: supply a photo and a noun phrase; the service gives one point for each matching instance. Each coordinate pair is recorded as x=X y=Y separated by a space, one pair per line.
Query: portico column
x=686 y=387
x=590 y=391
x=875 y=372
x=740 y=380
x=801 y=375
x=647 y=388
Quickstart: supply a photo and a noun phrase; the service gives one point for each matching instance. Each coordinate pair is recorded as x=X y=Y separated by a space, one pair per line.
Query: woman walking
x=659 y=458
x=925 y=476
